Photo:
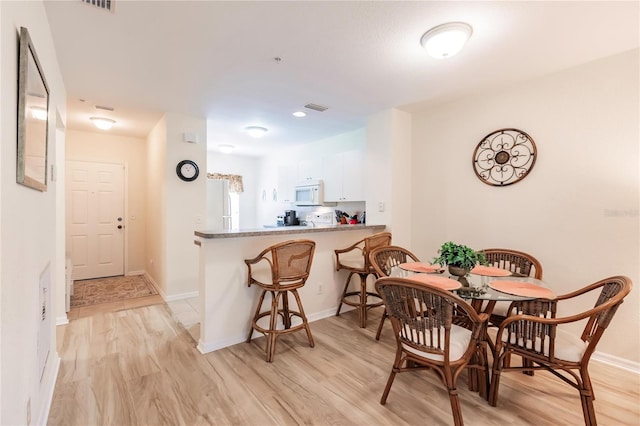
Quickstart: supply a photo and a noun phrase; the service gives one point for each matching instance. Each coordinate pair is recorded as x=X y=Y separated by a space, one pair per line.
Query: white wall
x=131 y=152
x=175 y=208
x=247 y=167
x=577 y=211
x=185 y=204
x=27 y=226
x=388 y=173
x=155 y=203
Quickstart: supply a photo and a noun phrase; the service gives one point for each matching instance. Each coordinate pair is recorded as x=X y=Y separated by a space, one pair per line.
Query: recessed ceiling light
x=256 y=131
x=103 y=123
x=299 y=114
x=226 y=149
x=447 y=39
x=39 y=113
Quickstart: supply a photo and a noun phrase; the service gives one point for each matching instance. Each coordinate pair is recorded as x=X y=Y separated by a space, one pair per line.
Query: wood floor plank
x=140 y=367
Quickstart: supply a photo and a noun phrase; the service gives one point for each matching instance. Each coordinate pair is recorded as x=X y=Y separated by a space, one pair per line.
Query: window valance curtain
x=235 y=181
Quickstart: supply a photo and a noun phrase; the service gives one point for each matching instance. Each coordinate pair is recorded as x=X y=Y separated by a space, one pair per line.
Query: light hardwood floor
x=140 y=367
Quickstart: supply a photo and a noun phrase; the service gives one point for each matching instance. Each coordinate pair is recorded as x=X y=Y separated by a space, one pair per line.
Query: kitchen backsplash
x=351 y=209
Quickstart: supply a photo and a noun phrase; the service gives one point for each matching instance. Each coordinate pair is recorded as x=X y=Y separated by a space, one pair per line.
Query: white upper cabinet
x=343 y=175
x=353 y=188
x=310 y=169
x=287 y=179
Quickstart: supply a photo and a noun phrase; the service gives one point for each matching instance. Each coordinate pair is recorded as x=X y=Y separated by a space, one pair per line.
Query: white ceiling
x=215 y=59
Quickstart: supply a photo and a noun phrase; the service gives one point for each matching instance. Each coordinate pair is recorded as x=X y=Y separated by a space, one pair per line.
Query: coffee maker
x=290 y=218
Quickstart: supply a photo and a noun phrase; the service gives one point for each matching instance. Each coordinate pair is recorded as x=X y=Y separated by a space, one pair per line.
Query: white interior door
x=95 y=219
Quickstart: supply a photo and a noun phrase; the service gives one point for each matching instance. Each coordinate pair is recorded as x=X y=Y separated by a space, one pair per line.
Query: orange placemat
x=436 y=281
x=419 y=267
x=490 y=271
x=519 y=288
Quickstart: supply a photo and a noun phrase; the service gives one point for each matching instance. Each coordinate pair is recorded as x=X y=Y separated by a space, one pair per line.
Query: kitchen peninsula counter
x=227 y=304
x=284 y=230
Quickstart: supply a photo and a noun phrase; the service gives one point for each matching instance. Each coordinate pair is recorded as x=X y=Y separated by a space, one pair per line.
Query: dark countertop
x=284 y=230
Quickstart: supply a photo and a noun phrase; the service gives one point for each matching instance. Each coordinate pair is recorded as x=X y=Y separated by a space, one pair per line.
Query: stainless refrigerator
x=218 y=205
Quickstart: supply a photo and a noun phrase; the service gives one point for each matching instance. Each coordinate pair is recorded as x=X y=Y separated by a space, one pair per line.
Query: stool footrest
x=358 y=302
x=263 y=321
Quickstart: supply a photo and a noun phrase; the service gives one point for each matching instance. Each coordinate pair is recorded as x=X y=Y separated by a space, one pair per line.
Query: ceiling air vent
x=106 y=108
x=316 y=107
x=100 y=4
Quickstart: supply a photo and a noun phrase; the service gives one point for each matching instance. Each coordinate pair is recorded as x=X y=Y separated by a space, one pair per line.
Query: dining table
x=482 y=288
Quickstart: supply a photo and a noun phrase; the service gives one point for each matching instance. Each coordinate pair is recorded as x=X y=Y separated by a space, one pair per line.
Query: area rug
x=110 y=289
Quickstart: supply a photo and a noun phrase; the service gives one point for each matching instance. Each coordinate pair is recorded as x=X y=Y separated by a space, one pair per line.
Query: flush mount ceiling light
x=39 y=113
x=299 y=114
x=446 y=40
x=226 y=149
x=103 y=123
x=256 y=131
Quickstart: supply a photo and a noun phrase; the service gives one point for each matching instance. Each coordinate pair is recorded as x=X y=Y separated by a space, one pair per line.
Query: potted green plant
x=460 y=259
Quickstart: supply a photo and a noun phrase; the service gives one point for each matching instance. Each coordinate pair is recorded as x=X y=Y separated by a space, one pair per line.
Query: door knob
x=119 y=226
x=119 y=219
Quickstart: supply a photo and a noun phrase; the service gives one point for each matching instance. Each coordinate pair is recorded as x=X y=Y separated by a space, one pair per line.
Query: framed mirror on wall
x=33 y=114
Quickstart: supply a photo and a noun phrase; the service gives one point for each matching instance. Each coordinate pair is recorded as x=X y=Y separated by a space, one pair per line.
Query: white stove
x=320 y=219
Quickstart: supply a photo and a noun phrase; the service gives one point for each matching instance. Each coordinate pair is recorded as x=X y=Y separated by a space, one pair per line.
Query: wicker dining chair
x=518 y=262
x=355 y=259
x=421 y=317
x=536 y=334
x=383 y=260
x=279 y=270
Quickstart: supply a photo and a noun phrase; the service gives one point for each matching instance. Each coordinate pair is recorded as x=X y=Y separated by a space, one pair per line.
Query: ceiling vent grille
x=100 y=4
x=316 y=107
x=106 y=108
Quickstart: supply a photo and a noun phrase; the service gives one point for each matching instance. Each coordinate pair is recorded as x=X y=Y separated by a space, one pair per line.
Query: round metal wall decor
x=504 y=157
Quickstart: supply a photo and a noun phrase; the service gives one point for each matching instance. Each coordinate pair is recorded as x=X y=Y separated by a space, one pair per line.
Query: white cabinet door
x=344 y=176
x=332 y=173
x=353 y=176
x=310 y=169
x=287 y=178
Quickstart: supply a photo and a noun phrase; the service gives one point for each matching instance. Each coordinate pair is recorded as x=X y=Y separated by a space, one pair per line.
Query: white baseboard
x=131 y=273
x=50 y=386
x=173 y=297
x=322 y=314
x=180 y=296
x=62 y=320
x=214 y=346
x=615 y=361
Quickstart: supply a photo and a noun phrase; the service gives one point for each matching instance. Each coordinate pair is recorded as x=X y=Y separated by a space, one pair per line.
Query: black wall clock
x=187 y=170
x=504 y=157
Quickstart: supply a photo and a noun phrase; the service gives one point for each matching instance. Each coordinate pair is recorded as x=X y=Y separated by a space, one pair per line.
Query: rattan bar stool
x=279 y=270
x=355 y=259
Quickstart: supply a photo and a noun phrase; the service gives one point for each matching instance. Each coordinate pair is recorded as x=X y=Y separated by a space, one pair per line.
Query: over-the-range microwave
x=309 y=193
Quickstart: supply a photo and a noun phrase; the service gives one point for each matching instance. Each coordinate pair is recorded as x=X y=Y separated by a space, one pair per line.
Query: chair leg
x=255 y=316
x=483 y=374
x=344 y=292
x=586 y=398
x=273 y=326
x=304 y=317
x=286 y=316
x=387 y=388
x=384 y=317
x=527 y=363
x=363 y=301
x=394 y=370
x=495 y=379
x=456 y=409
